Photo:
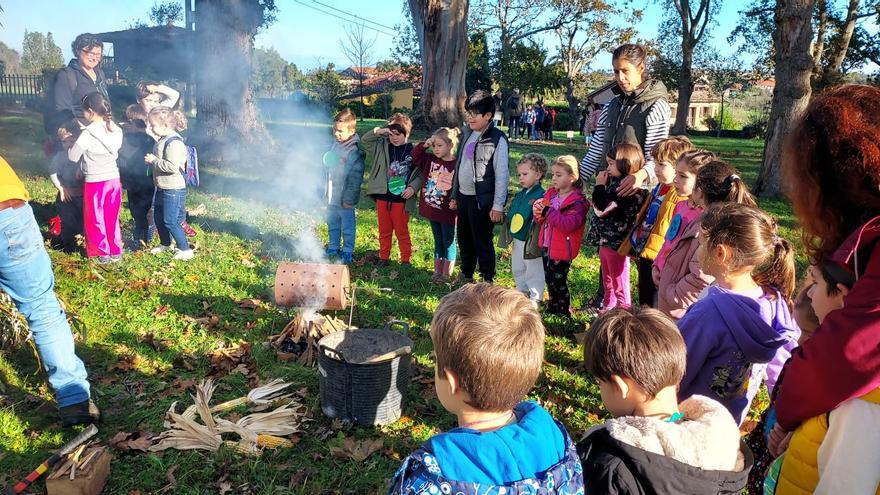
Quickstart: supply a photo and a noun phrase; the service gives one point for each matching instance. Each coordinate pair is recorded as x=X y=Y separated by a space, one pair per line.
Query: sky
x=302 y=34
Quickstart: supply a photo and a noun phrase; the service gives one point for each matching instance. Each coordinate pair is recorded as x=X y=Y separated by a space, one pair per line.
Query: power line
x=342 y=18
x=353 y=15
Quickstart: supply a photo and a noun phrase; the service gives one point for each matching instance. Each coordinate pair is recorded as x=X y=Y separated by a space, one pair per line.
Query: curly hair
x=831 y=160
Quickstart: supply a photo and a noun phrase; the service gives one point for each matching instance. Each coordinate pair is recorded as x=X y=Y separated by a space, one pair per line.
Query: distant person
x=136 y=175
x=654 y=444
x=498 y=108
x=344 y=174
x=81 y=77
x=514 y=109
x=67 y=177
x=435 y=158
x=489 y=349
x=168 y=161
x=26 y=275
x=392 y=183
x=479 y=187
x=98 y=147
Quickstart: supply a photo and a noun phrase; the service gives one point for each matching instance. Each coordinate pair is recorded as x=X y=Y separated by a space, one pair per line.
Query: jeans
x=139 y=203
x=444 y=240
x=169 y=211
x=341 y=223
x=475 y=230
x=26 y=275
x=513 y=127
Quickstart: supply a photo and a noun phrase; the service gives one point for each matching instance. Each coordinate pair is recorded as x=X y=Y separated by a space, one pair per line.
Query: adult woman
x=81 y=77
x=832 y=163
x=638 y=113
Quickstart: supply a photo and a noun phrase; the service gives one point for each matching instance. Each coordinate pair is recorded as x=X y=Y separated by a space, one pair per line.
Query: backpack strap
x=165 y=148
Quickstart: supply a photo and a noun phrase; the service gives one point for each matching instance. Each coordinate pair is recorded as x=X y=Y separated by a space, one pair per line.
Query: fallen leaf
x=300 y=477
x=172 y=481
x=161 y=310
x=357 y=450
x=157 y=344
x=249 y=303
x=141 y=441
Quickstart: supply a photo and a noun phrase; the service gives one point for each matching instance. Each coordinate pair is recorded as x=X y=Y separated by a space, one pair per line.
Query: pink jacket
x=682 y=278
x=564 y=227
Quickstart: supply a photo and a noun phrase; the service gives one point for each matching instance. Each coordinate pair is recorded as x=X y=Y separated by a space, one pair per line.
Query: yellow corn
x=242 y=448
x=273 y=442
x=230 y=404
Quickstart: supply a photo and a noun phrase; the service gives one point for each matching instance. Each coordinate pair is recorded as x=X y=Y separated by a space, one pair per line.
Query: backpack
x=50 y=115
x=513 y=103
x=191 y=170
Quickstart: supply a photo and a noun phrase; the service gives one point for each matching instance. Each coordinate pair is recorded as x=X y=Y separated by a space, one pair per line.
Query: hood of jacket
x=707 y=437
x=109 y=141
x=650 y=90
x=348 y=146
x=744 y=318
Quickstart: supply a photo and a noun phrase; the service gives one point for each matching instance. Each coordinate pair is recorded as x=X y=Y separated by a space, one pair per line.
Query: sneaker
x=184 y=255
x=160 y=249
x=331 y=253
x=115 y=258
x=347 y=258
x=104 y=260
x=83 y=413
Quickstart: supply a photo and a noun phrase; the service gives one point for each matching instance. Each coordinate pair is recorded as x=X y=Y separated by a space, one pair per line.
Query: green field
x=129 y=307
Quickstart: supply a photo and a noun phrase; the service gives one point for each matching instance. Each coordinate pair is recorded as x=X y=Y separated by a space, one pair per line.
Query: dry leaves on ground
x=141 y=440
x=357 y=450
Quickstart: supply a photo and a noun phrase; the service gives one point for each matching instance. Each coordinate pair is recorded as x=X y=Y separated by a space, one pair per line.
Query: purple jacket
x=732 y=340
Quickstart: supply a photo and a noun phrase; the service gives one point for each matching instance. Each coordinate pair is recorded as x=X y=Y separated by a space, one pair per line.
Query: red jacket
x=564 y=227
x=842 y=359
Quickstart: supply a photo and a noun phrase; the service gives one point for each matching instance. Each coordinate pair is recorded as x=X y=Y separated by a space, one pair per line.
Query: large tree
x=224 y=45
x=794 y=64
x=267 y=74
x=694 y=17
x=39 y=52
x=441 y=27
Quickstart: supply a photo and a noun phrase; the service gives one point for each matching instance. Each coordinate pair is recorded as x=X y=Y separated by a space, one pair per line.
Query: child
x=836 y=452
x=562 y=213
x=654 y=444
x=679 y=285
x=438 y=169
x=134 y=171
x=98 y=146
x=68 y=180
x=479 y=187
x=344 y=175
x=168 y=161
x=392 y=183
x=653 y=220
x=744 y=322
x=615 y=218
x=489 y=348
x=528 y=270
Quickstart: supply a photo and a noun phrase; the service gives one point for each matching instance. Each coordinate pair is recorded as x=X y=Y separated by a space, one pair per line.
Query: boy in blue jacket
x=489 y=347
x=344 y=165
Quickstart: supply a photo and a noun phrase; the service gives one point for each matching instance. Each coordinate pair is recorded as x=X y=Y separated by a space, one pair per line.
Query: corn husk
x=186 y=434
x=202 y=399
x=250 y=438
x=244 y=448
x=280 y=422
x=266 y=394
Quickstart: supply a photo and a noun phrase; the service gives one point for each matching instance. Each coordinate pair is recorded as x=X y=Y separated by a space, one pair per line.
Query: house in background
x=704 y=103
x=376 y=84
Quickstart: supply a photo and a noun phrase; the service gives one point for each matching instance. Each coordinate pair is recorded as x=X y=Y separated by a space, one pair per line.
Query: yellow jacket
x=657 y=236
x=10 y=185
x=800 y=467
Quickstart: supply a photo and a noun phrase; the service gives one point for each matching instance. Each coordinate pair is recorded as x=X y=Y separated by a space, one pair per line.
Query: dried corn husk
x=280 y=422
x=310 y=329
x=266 y=394
x=186 y=434
x=204 y=391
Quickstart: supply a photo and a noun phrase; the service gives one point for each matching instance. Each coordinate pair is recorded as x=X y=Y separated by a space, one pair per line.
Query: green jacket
x=376 y=147
x=522 y=205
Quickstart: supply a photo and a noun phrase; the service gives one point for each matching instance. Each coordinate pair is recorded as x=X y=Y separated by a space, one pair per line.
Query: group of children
x=145 y=155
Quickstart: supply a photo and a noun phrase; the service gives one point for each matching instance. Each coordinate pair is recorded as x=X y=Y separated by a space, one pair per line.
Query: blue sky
x=302 y=34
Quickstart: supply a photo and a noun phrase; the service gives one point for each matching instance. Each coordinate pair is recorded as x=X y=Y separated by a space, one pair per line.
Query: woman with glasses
x=81 y=77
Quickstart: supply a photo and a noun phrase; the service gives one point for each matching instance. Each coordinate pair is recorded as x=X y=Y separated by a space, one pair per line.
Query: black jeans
x=71 y=214
x=556 y=277
x=139 y=203
x=513 y=125
x=647 y=289
x=475 y=230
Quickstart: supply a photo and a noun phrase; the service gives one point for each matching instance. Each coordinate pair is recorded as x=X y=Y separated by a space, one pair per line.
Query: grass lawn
x=145 y=344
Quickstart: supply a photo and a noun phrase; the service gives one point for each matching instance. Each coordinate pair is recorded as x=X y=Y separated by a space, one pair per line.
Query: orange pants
x=393 y=218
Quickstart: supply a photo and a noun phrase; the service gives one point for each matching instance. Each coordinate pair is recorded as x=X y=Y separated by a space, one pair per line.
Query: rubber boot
x=438 y=270
x=448 y=266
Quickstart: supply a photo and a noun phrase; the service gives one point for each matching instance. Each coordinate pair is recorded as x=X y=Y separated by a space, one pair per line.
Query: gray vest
x=625 y=121
x=484 y=171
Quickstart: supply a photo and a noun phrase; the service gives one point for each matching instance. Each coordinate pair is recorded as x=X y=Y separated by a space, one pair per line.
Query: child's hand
x=62 y=194
x=429 y=143
x=777 y=444
x=453 y=205
x=382 y=131
x=408 y=192
x=602 y=178
x=347 y=206
x=150 y=158
x=496 y=216
x=538 y=208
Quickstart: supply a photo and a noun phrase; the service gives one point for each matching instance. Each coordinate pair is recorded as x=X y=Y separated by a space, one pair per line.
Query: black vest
x=627 y=115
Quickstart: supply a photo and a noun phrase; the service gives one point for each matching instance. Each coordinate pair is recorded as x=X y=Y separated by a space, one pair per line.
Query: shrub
x=756 y=125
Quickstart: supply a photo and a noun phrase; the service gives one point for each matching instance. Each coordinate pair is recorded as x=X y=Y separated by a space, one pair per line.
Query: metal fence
x=21 y=87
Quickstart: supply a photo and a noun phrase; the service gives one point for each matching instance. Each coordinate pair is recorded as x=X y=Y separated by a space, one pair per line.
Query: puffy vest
x=657 y=236
x=800 y=467
x=627 y=113
x=484 y=171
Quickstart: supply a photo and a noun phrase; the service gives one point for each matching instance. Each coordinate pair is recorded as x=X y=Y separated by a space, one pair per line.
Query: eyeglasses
x=472 y=115
x=97 y=54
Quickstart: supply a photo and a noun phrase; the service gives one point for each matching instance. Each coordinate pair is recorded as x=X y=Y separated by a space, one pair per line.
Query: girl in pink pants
x=96 y=149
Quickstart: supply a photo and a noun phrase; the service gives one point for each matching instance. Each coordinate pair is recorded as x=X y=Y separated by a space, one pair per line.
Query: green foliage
x=40 y=53
x=756 y=125
x=406 y=51
x=526 y=67
x=387 y=65
x=294 y=79
x=166 y=13
x=267 y=73
x=478 y=74
x=728 y=122
x=10 y=60
x=324 y=85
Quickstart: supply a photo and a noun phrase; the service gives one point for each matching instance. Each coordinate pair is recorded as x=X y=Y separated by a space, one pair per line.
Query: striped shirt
x=657 y=124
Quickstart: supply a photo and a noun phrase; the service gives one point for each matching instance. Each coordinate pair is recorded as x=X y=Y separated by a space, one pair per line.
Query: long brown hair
x=831 y=161
x=752 y=236
x=628 y=158
x=720 y=181
x=96 y=103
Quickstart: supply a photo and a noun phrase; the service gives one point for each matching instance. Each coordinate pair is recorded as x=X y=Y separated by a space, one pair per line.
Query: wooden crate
x=88 y=482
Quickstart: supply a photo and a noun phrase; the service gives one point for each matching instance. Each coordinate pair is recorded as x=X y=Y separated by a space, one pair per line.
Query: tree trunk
x=846 y=34
x=441 y=26
x=222 y=51
x=685 y=88
x=819 y=47
x=794 y=64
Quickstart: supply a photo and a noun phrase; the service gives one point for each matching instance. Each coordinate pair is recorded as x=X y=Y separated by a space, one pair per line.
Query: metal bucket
x=316 y=285
x=362 y=386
